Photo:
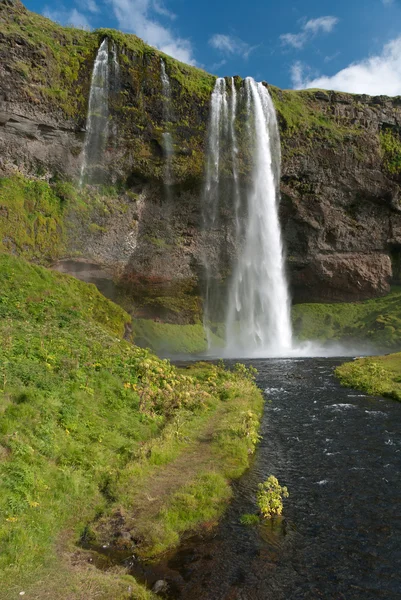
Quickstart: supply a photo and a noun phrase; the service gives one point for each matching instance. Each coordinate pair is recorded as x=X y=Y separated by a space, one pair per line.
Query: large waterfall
x=97 y=118
x=257 y=309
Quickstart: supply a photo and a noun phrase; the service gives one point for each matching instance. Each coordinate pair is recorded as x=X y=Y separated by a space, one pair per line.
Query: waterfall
x=115 y=69
x=234 y=158
x=97 y=117
x=167 y=137
x=258 y=316
x=210 y=205
x=257 y=310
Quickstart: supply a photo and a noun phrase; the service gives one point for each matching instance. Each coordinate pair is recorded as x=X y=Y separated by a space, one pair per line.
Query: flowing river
x=339 y=453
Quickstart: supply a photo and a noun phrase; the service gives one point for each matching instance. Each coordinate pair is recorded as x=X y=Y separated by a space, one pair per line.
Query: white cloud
x=325 y=24
x=67 y=17
x=388 y=2
x=297 y=71
x=228 y=44
x=89 y=5
x=159 y=7
x=138 y=16
x=375 y=75
x=308 y=31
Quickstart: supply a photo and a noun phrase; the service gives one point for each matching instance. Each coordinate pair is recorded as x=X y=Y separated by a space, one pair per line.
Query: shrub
x=270 y=497
x=249 y=519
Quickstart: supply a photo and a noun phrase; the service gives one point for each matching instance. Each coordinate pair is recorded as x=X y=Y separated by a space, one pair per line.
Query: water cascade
x=114 y=87
x=167 y=137
x=210 y=205
x=257 y=309
x=115 y=69
x=97 y=117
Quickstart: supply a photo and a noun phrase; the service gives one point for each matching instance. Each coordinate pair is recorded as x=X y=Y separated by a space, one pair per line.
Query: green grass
x=301 y=113
x=376 y=322
x=31 y=218
x=56 y=66
x=391 y=150
x=86 y=420
x=380 y=375
x=169 y=338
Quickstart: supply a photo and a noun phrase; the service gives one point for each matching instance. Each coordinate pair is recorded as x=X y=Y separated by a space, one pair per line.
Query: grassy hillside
x=53 y=63
x=88 y=423
x=376 y=322
x=380 y=375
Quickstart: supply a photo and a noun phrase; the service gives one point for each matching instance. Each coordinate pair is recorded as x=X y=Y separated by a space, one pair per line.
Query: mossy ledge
x=91 y=426
x=377 y=375
x=374 y=323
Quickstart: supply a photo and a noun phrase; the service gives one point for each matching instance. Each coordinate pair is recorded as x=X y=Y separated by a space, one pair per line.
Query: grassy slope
x=57 y=61
x=84 y=414
x=376 y=321
x=379 y=375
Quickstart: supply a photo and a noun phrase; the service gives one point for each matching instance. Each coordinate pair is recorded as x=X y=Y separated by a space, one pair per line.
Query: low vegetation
x=301 y=113
x=171 y=339
x=390 y=144
x=92 y=426
x=376 y=322
x=270 y=497
x=380 y=375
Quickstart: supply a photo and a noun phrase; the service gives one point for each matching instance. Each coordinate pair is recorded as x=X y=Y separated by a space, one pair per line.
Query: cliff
x=140 y=239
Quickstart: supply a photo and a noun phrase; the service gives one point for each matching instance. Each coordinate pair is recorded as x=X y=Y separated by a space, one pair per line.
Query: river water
x=339 y=453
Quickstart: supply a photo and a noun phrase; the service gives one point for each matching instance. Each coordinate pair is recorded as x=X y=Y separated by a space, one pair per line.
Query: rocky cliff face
x=341 y=174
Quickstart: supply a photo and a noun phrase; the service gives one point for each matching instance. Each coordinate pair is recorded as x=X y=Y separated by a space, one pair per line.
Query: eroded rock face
x=341 y=194
x=340 y=204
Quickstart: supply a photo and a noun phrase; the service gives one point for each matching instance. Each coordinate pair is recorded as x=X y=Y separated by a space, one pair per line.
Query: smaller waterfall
x=114 y=86
x=97 y=117
x=115 y=69
x=167 y=137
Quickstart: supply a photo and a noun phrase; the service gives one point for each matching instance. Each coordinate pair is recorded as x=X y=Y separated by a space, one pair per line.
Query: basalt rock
x=341 y=172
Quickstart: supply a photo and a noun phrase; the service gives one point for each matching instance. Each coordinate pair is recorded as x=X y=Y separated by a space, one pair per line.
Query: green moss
x=380 y=375
x=299 y=112
x=33 y=292
x=59 y=58
x=391 y=151
x=169 y=338
x=31 y=219
x=376 y=321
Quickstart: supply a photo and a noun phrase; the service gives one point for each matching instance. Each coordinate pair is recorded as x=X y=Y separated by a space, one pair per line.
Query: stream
x=339 y=453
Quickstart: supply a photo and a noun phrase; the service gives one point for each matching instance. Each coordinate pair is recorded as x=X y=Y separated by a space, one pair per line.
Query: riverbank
x=101 y=442
x=378 y=375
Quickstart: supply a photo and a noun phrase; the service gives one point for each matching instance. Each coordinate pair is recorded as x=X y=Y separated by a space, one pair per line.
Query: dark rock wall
x=341 y=199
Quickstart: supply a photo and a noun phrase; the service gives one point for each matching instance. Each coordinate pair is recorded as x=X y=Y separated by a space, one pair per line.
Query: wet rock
x=160 y=587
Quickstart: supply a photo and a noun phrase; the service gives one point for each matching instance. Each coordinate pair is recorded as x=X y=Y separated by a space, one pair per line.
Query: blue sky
x=351 y=45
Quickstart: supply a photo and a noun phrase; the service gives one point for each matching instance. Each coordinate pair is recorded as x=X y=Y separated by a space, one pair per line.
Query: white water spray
x=97 y=117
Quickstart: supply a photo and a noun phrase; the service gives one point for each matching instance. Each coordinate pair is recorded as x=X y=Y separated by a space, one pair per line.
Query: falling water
x=258 y=316
x=210 y=205
x=114 y=87
x=115 y=69
x=257 y=312
x=167 y=137
x=234 y=157
x=98 y=112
